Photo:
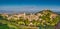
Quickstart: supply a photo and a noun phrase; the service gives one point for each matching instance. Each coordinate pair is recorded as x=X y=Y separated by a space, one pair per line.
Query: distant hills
x=10 y=12
x=5 y=11
x=58 y=13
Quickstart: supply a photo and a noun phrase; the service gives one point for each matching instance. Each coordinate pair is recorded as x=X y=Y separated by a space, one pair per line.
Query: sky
x=29 y=5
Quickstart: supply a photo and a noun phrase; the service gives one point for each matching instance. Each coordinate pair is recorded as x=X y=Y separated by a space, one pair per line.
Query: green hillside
x=47 y=20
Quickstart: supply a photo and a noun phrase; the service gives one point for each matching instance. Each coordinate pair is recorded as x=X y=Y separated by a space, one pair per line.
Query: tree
x=26 y=22
x=1 y=17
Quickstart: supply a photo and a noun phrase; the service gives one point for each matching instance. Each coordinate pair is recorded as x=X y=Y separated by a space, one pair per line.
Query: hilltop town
x=45 y=17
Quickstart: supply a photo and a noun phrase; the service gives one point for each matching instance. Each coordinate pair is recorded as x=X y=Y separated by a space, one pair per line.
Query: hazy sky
x=29 y=5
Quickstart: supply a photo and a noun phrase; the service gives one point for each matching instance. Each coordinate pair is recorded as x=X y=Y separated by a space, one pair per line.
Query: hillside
x=42 y=19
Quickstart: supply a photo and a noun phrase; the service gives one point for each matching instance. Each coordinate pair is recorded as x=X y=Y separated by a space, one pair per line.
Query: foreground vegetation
x=43 y=22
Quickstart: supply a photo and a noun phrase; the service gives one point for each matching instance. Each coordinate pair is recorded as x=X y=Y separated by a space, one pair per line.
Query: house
x=53 y=15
